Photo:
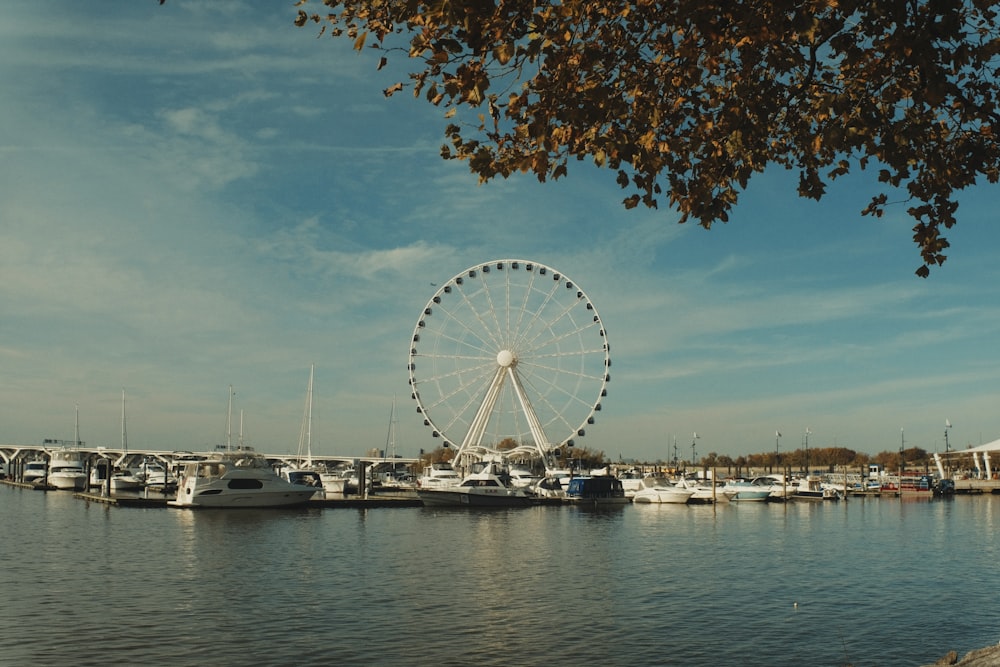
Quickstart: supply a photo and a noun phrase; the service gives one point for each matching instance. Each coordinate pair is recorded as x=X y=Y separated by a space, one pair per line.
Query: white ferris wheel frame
x=498 y=327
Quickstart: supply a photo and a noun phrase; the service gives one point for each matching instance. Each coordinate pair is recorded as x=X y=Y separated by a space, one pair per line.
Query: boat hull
x=69 y=481
x=463 y=498
x=662 y=497
x=750 y=496
x=258 y=499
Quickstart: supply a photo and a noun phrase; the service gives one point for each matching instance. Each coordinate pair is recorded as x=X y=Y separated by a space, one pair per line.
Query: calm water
x=876 y=582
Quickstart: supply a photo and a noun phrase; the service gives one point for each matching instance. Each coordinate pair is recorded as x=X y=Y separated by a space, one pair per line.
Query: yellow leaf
x=359 y=43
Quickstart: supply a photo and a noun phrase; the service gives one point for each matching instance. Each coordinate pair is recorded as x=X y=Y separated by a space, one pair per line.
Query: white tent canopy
x=988 y=447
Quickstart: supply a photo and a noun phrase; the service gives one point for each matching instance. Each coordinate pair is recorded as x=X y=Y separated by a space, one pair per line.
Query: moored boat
x=66 y=470
x=487 y=486
x=34 y=471
x=745 y=491
x=438 y=475
x=812 y=489
x=596 y=490
x=660 y=490
x=237 y=479
x=705 y=492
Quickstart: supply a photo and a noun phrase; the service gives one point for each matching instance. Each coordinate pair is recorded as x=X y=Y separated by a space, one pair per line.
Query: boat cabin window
x=480 y=482
x=244 y=483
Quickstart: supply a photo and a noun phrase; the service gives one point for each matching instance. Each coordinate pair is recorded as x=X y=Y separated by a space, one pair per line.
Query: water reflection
x=824 y=583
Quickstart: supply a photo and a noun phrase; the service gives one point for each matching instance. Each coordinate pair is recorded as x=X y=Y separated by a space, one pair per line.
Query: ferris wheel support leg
x=541 y=444
x=475 y=435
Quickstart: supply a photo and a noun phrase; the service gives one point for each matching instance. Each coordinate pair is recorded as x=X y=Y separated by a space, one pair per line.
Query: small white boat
x=34 y=471
x=236 y=480
x=523 y=477
x=631 y=482
x=781 y=489
x=746 y=491
x=488 y=486
x=124 y=480
x=305 y=477
x=705 y=492
x=549 y=487
x=438 y=475
x=661 y=490
x=335 y=481
x=812 y=489
x=155 y=476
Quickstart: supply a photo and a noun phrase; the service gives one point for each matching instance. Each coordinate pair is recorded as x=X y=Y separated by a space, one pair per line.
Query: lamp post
x=901 y=447
x=807 y=450
x=947 y=448
x=777 y=457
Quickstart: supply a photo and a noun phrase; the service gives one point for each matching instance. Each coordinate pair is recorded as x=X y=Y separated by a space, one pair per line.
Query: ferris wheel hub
x=506 y=358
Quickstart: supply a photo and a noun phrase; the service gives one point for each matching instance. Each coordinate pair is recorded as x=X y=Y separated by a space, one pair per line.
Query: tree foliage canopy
x=686 y=100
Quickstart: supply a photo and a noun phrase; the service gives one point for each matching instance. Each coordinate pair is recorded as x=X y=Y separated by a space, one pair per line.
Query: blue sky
x=201 y=194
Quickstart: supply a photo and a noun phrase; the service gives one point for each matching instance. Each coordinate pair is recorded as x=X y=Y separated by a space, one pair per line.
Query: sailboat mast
x=390 y=438
x=76 y=430
x=309 y=427
x=124 y=433
x=229 y=421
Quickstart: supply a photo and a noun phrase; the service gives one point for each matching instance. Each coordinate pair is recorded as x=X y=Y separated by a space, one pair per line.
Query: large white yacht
x=66 y=470
x=237 y=479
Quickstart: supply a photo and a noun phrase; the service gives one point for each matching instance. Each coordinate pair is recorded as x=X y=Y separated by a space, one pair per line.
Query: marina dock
x=346 y=502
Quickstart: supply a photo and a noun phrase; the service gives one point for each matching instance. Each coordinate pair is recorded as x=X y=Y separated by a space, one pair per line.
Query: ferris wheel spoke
x=475 y=332
x=463 y=383
x=547 y=387
x=536 y=325
x=554 y=323
x=491 y=311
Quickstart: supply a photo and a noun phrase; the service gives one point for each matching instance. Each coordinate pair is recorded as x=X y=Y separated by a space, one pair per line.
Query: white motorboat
x=523 y=477
x=557 y=476
x=237 y=479
x=336 y=481
x=811 y=488
x=747 y=491
x=66 y=470
x=34 y=471
x=780 y=488
x=309 y=477
x=706 y=492
x=631 y=481
x=438 y=475
x=488 y=486
x=549 y=486
x=661 y=490
x=155 y=476
x=124 y=480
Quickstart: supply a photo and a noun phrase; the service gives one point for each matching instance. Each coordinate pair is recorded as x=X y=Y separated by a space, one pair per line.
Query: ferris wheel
x=511 y=357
